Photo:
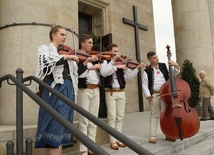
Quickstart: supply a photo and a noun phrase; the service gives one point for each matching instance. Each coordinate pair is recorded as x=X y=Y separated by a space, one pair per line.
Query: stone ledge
x=8 y=132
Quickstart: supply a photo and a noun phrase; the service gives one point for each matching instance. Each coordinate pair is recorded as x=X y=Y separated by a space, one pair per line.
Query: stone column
x=193 y=34
x=18 y=45
x=211 y=13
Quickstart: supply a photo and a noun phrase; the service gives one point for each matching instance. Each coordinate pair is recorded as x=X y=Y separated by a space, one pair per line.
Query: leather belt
x=155 y=92
x=92 y=86
x=114 y=90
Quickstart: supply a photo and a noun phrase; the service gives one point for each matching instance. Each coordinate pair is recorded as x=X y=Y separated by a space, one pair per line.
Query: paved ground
x=136 y=127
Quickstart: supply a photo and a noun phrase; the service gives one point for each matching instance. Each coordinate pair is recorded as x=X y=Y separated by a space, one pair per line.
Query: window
x=91 y=21
x=85 y=23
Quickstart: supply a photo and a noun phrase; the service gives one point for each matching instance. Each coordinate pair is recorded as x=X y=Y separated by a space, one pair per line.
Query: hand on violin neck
x=95 y=67
x=121 y=67
x=71 y=57
x=94 y=58
x=115 y=58
x=141 y=65
x=89 y=59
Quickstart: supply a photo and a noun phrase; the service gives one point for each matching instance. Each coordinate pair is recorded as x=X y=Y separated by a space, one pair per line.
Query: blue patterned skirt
x=50 y=133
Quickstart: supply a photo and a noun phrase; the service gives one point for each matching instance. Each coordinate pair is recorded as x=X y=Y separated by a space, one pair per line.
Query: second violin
x=101 y=55
x=66 y=50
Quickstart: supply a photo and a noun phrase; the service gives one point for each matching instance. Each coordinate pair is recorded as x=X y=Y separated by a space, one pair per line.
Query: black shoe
x=211 y=118
x=203 y=119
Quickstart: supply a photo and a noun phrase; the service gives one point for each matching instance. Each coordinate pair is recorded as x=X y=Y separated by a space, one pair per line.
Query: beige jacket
x=206 y=88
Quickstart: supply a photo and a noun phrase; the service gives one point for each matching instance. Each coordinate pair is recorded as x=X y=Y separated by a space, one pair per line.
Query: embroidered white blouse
x=47 y=57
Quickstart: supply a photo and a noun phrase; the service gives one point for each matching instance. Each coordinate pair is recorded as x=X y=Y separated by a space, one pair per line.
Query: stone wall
x=18 y=45
x=193 y=37
x=123 y=35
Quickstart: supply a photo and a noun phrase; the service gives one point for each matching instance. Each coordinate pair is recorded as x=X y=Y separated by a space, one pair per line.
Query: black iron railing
x=19 y=82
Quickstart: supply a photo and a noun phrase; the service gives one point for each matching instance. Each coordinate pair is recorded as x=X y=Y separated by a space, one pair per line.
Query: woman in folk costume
x=59 y=72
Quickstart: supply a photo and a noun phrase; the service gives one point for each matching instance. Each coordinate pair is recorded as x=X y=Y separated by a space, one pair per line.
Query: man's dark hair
x=150 y=54
x=84 y=37
x=109 y=48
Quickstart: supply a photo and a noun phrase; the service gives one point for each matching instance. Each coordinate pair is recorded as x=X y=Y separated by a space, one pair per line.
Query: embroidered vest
x=82 y=82
x=120 y=77
x=150 y=72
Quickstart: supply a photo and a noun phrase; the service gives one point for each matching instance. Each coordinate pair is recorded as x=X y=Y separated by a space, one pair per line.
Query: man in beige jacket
x=206 y=90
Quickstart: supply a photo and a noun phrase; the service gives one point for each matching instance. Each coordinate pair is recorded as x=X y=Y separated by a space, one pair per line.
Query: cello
x=178 y=120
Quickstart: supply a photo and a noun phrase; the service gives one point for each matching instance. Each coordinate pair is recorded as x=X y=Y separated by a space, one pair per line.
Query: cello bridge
x=176 y=105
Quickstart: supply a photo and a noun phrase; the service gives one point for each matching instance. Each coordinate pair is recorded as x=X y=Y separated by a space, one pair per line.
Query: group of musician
x=79 y=80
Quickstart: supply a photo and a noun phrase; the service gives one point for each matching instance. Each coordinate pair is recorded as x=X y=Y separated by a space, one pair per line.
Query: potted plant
x=188 y=74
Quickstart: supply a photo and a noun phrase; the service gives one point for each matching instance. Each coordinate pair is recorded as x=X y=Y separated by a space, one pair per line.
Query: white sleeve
x=130 y=74
x=107 y=68
x=175 y=71
x=145 y=85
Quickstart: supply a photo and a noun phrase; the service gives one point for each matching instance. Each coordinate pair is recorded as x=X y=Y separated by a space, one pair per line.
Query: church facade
x=194 y=33
x=130 y=24
x=24 y=27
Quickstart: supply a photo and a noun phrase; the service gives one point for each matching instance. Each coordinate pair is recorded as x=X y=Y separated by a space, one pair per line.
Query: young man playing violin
x=115 y=77
x=154 y=76
x=88 y=94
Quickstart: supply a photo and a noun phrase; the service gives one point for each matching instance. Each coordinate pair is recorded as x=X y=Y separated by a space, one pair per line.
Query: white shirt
x=159 y=80
x=92 y=76
x=110 y=68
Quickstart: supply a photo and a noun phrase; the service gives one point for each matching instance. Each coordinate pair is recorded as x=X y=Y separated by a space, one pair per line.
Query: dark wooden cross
x=137 y=26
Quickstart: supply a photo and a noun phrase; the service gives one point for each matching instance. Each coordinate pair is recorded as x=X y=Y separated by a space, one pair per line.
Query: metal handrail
x=130 y=143
x=65 y=123
x=79 y=135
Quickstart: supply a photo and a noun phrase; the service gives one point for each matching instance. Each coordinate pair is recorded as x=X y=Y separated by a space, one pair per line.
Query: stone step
x=135 y=127
x=198 y=145
x=202 y=147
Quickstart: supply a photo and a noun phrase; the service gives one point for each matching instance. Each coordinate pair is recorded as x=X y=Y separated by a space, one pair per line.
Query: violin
x=130 y=63
x=121 y=61
x=107 y=55
x=101 y=55
x=66 y=50
x=178 y=120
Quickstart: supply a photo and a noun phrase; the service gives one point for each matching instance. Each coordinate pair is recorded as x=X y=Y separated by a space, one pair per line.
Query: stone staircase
x=203 y=146
x=136 y=128
x=8 y=132
x=199 y=144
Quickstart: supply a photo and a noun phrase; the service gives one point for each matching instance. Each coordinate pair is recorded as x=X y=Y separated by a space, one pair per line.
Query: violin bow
x=161 y=95
x=130 y=52
x=73 y=41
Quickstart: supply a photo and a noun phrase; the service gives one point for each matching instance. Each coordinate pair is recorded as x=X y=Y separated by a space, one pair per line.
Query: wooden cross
x=137 y=26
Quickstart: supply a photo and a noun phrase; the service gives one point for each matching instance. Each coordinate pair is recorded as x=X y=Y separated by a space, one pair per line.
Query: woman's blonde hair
x=54 y=29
